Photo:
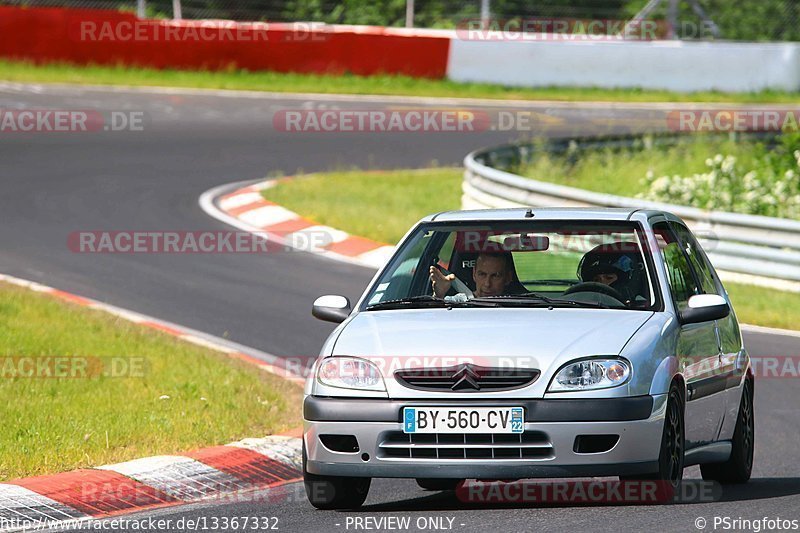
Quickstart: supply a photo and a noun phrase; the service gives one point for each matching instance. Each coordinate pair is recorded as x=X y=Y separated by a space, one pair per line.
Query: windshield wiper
x=426 y=300
x=533 y=296
x=403 y=302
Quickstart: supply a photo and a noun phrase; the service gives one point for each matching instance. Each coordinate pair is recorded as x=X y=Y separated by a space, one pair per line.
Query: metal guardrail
x=747 y=248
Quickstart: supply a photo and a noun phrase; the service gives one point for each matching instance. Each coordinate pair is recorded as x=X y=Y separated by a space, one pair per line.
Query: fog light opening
x=340 y=443
x=594 y=443
x=365 y=457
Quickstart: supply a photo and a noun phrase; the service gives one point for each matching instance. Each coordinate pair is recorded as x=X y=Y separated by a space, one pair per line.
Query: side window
x=681 y=280
x=697 y=257
x=729 y=334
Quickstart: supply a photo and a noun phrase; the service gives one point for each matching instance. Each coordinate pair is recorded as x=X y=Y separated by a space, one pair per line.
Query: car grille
x=527 y=445
x=466 y=378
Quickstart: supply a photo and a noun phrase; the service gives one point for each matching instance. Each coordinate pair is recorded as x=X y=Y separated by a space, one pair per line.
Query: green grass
x=378 y=205
x=350 y=84
x=622 y=172
x=384 y=205
x=765 y=307
x=58 y=424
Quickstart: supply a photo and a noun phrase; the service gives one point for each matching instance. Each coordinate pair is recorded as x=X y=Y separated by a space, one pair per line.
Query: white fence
x=545 y=60
x=746 y=248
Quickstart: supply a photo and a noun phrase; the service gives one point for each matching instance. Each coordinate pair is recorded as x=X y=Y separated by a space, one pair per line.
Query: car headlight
x=350 y=373
x=591 y=374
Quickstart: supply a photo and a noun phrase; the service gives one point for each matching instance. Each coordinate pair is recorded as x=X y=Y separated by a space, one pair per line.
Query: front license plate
x=463 y=420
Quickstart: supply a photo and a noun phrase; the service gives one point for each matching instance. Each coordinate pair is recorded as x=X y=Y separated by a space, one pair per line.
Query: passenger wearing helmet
x=616 y=265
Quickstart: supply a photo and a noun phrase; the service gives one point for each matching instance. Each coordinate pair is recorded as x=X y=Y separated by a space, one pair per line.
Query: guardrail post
x=409 y=13
x=141 y=8
x=485 y=14
x=672 y=19
x=176 y=10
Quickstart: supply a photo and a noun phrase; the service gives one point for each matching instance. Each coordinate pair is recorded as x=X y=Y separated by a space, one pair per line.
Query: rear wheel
x=334 y=492
x=673 y=444
x=738 y=467
x=438 y=483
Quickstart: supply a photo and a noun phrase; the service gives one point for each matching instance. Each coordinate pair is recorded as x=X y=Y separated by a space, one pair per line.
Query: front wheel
x=673 y=444
x=334 y=492
x=738 y=467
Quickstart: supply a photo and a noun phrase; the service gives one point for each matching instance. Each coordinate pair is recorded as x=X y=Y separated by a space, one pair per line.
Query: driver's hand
x=441 y=283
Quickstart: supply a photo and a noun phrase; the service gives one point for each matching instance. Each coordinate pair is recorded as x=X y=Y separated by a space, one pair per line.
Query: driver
x=492 y=274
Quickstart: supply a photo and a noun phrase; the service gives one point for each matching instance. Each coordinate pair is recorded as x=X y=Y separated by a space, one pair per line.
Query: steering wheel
x=593 y=286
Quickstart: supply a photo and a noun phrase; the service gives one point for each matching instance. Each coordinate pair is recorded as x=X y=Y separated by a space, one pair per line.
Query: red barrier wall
x=111 y=38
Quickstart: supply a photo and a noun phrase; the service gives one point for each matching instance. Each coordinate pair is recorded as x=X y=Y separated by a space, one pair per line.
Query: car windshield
x=531 y=263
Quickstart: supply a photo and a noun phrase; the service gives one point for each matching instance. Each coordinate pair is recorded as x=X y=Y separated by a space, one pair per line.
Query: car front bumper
x=553 y=424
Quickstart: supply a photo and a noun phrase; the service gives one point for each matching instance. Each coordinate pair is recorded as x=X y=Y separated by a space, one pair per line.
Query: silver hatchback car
x=531 y=343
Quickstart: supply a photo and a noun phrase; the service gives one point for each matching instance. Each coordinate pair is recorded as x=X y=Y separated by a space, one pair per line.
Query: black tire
x=673 y=444
x=438 y=483
x=738 y=468
x=335 y=492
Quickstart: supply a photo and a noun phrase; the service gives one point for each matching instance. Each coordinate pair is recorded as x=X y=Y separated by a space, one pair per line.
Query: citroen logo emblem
x=464 y=377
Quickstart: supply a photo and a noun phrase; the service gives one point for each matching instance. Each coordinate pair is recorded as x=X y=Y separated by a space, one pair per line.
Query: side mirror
x=331 y=308
x=705 y=308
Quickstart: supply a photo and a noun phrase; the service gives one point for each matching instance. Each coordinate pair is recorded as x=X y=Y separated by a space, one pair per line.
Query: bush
x=743 y=20
x=770 y=188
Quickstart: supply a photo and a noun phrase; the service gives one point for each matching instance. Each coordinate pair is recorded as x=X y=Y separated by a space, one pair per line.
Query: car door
x=731 y=354
x=697 y=346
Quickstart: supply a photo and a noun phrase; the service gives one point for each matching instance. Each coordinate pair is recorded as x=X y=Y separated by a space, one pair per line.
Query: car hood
x=532 y=337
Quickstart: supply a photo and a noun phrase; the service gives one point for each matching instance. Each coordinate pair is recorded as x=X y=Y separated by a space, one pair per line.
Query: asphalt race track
x=58 y=183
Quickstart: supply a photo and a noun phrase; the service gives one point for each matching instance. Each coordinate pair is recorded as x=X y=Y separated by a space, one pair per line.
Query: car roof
x=547 y=213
